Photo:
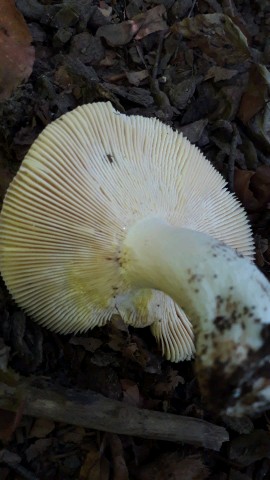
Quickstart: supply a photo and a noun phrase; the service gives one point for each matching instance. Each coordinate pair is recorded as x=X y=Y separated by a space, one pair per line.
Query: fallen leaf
x=8 y=457
x=74 y=435
x=95 y=465
x=4 y=355
x=89 y=344
x=38 y=448
x=131 y=392
x=8 y=425
x=120 y=471
x=138 y=95
x=182 y=92
x=219 y=73
x=247 y=449
x=260 y=184
x=242 y=190
x=259 y=128
x=117 y=34
x=135 y=78
x=16 y=53
x=138 y=27
x=217 y=36
x=109 y=59
x=256 y=94
x=5 y=174
x=174 y=467
x=167 y=387
x=253 y=188
x=151 y=21
x=41 y=428
x=193 y=131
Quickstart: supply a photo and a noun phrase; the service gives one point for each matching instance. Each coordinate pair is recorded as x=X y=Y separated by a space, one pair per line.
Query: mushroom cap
x=87 y=178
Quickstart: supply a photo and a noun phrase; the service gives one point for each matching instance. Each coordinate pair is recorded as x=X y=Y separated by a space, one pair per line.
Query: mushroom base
x=226 y=297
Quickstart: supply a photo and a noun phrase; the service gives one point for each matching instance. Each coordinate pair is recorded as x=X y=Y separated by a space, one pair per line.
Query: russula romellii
x=115 y=214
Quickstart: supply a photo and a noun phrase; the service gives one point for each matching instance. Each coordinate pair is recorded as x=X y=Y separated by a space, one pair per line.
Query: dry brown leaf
x=139 y=27
x=174 y=467
x=135 y=78
x=260 y=184
x=5 y=174
x=8 y=425
x=151 y=21
x=217 y=36
x=247 y=449
x=242 y=190
x=11 y=458
x=4 y=355
x=74 y=435
x=168 y=387
x=131 y=392
x=89 y=344
x=219 y=73
x=16 y=53
x=95 y=466
x=253 y=188
x=120 y=471
x=38 y=448
x=41 y=428
x=257 y=93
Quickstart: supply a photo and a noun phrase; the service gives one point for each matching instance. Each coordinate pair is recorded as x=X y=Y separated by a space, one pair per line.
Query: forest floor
x=201 y=67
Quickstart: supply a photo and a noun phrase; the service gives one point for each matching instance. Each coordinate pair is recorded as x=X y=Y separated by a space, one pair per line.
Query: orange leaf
x=16 y=53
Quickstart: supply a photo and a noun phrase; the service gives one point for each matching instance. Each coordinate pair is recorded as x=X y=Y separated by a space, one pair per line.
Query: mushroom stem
x=226 y=297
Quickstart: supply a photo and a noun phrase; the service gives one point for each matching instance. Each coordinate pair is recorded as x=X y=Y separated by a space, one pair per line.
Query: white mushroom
x=110 y=214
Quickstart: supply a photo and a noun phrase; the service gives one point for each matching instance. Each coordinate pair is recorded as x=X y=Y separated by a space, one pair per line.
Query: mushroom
x=116 y=214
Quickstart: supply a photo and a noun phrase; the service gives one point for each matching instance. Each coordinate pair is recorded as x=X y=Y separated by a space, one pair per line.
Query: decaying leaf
x=120 y=471
x=174 y=467
x=4 y=355
x=11 y=458
x=41 y=428
x=217 y=36
x=138 y=27
x=260 y=184
x=5 y=173
x=9 y=421
x=151 y=21
x=256 y=94
x=193 y=131
x=16 y=53
x=169 y=385
x=131 y=392
x=90 y=344
x=95 y=466
x=247 y=449
x=259 y=128
x=219 y=73
x=135 y=78
x=38 y=448
x=253 y=188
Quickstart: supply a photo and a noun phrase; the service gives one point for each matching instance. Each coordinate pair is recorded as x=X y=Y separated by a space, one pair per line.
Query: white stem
x=225 y=296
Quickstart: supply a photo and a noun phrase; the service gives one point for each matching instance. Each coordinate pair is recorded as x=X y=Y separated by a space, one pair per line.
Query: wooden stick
x=38 y=398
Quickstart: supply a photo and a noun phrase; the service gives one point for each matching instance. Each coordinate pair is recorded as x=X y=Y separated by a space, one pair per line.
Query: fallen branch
x=91 y=410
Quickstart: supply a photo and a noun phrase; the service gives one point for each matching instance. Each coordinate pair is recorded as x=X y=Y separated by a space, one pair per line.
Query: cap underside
x=89 y=176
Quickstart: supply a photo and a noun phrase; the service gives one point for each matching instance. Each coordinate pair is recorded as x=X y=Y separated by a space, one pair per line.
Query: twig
x=192 y=8
x=91 y=410
x=158 y=54
x=160 y=97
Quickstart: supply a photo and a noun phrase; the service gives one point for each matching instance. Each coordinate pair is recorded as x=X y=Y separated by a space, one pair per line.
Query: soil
x=207 y=77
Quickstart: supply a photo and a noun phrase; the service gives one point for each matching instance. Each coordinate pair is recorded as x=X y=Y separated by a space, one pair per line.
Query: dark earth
x=201 y=67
